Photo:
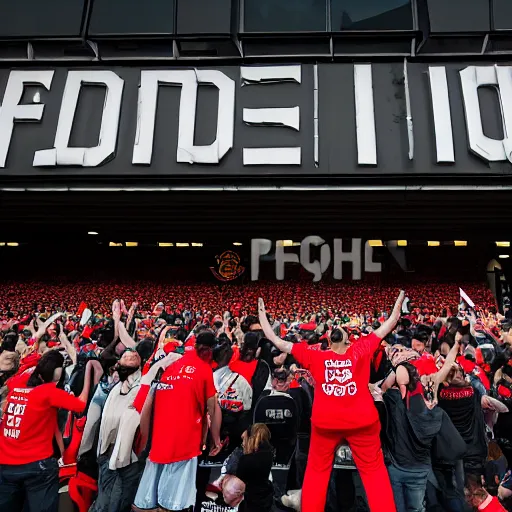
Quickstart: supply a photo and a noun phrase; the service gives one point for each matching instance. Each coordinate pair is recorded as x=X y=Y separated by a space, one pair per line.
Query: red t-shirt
x=180 y=407
x=30 y=421
x=342 y=398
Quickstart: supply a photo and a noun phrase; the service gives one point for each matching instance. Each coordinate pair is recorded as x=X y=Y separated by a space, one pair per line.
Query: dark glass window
x=458 y=16
x=204 y=17
x=285 y=15
x=41 y=18
x=111 y=17
x=502 y=14
x=371 y=15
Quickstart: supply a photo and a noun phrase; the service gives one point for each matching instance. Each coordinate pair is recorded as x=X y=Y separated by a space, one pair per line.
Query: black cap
x=206 y=339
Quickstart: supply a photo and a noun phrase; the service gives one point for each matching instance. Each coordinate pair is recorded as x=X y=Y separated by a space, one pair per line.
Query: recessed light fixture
x=460 y=243
x=165 y=244
x=197 y=244
x=375 y=243
x=504 y=256
x=182 y=244
x=434 y=243
x=132 y=244
x=237 y=243
x=115 y=244
x=502 y=244
x=92 y=232
x=401 y=243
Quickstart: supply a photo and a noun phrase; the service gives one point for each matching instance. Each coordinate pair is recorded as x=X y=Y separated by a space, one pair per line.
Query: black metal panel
x=284 y=16
x=303 y=45
x=132 y=17
x=212 y=216
x=371 y=15
x=338 y=154
x=379 y=44
x=458 y=16
x=38 y=18
x=204 y=17
x=502 y=15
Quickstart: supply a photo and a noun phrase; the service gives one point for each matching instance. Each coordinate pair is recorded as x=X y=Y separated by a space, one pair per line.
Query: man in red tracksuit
x=343 y=410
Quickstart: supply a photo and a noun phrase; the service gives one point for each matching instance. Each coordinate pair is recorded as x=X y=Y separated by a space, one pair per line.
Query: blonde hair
x=256 y=436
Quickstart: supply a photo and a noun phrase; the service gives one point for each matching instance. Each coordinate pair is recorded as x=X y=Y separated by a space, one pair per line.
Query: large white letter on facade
x=354 y=257
x=188 y=80
x=12 y=111
x=62 y=154
x=282 y=258
x=369 y=264
x=259 y=247
x=317 y=268
x=285 y=117
x=442 y=114
x=365 y=115
x=473 y=77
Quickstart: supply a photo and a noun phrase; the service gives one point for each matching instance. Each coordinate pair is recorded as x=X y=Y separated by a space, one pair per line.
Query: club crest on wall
x=228 y=266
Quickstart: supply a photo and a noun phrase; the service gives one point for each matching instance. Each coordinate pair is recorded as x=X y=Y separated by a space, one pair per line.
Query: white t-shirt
x=235 y=393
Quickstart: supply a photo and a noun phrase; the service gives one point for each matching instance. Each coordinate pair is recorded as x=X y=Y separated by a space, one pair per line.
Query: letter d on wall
x=62 y=154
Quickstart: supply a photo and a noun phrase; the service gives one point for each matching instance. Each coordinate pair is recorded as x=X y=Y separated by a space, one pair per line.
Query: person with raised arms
x=343 y=410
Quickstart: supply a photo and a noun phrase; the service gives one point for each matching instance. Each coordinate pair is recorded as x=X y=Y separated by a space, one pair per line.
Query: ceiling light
x=375 y=243
x=502 y=244
x=460 y=243
x=182 y=244
x=2 y=244
x=132 y=244
x=296 y=244
x=12 y=244
x=197 y=244
x=115 y=244
x=237 y=243
x=165 y=244
x=434 y=243
x=401 y=243
x=287 y=243
x=92 y=233
x=504 y=256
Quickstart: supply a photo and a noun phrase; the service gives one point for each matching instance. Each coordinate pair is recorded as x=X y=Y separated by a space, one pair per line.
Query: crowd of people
x=225 y=398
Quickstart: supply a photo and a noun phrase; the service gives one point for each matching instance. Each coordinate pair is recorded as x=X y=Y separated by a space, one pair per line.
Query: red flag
x=81 y=308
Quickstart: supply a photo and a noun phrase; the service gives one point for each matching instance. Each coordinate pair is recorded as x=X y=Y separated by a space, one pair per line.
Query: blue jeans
x=409 y=487
x=35 y=485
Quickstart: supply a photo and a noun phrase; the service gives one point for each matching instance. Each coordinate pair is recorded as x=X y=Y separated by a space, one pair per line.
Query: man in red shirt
x=28 y=468
x=181 y=398
x=343 y=410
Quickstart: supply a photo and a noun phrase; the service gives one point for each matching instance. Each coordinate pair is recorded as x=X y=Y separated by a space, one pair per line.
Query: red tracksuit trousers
x=367 y=454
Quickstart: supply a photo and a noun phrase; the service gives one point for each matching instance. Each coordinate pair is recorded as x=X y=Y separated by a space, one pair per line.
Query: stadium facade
x=197 y=120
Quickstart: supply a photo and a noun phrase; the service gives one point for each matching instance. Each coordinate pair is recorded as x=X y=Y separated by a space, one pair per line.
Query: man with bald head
x=233 y=490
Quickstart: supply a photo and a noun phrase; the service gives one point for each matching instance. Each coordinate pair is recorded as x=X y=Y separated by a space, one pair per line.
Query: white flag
x=405 y=306
x=466 y=299
x=86 y=315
